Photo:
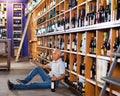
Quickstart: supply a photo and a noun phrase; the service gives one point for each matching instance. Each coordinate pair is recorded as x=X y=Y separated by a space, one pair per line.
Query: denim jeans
x=45 y=83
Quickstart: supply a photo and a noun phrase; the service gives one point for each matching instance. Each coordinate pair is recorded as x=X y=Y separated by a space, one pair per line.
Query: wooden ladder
x=109 y=79
x=23 y=36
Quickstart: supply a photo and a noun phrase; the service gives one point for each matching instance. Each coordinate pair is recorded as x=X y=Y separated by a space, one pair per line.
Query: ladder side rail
x=23 y=36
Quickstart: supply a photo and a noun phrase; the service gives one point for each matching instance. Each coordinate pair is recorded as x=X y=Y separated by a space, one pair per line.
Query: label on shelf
x=102 y=68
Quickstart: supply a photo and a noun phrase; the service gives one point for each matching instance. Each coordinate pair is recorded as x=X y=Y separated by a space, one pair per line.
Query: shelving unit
x=5 y=54
x=79 y=30
x=17 y=26
x=3 y=21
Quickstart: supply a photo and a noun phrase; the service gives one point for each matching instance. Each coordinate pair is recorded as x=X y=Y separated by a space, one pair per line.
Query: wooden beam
x=23 y=36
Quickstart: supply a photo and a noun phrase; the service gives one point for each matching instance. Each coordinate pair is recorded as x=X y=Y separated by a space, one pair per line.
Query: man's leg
x=34 y=85
x=34 y=72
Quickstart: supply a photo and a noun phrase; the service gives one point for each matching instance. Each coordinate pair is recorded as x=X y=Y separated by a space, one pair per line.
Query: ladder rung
x=115 y=54
x=112 y=80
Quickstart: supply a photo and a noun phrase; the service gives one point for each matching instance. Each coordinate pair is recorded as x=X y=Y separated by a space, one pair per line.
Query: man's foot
x=10 y=85
x=21 y=81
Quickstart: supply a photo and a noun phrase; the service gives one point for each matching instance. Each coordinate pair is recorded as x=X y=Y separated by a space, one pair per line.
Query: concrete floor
x=19 y=70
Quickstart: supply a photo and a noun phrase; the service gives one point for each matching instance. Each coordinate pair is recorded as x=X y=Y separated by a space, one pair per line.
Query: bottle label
x=62 y=47
x=73 y=45
x=68 y=46
x=75 y=48
x=83 y=71
x=52 y=84
x=91 y=74
x=65 y=65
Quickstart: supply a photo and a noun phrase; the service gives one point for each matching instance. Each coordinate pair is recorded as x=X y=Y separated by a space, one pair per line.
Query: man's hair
x=58 y=51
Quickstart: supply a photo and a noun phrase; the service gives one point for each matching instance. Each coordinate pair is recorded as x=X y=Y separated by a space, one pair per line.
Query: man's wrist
x=57 y=78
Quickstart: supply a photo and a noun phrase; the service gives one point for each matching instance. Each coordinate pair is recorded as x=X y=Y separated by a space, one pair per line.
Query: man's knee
x=38 y=68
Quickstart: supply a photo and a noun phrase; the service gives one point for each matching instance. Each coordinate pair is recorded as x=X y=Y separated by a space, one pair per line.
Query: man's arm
x=58 y=78
x=41 y=65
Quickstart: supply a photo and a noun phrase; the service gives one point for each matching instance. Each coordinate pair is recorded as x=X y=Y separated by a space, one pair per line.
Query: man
x=57 y=73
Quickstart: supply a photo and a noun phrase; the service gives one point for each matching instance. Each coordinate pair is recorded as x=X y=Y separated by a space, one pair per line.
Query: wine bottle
x=68 y=44
x=108 y=47
x=81 y=88
x=17 y=21
x=82 y=16
x=93 y=69
x=67 y=62
x=92 y=18
x=101 y=12
x=93 y=14
x=54 y=2
x=53 y=86
x=74 y=43
x=58 y=24
x=59 y=42
x=50 y=42
x=116 y=43
x=118 y=10
x=87 y=20
x=73 y=20
x=75 y=65
x=67 y=22
x=62 y=43
x=104 y=45
x=82 y=67
x=72 y=3
x=94 y=45
x=91 y=44
x=79 y=19
x=90 y=15
x=51 y=3
x=95 y=17
x=63 y=24
x=107 y=13
x=17 y=35
x=81 y=43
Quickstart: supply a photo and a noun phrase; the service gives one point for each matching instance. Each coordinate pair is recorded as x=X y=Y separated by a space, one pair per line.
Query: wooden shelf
x=51 y=36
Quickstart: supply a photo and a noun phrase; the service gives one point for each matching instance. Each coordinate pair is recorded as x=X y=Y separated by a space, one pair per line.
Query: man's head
x=56 y=54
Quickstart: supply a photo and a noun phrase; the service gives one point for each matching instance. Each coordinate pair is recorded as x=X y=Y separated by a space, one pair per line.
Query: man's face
x=55 y=55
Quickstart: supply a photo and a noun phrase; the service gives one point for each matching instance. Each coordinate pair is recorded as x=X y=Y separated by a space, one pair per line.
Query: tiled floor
x=19 y=70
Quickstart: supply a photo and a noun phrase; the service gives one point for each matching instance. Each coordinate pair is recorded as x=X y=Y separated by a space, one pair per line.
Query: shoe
x=10 y=85
x=21 y=81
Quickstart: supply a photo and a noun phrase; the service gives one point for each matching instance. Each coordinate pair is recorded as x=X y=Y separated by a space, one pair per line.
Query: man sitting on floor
x=57 y=73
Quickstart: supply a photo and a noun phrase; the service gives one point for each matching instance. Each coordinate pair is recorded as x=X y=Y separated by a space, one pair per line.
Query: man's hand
x=58 y=78
x=36 y=63
x=54 y=78
x=41 y=65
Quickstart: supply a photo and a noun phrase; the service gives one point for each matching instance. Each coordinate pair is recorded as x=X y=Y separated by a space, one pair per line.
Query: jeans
x=46 y=83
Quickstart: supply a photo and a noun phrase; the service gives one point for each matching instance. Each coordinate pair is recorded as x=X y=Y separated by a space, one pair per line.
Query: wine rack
x=17 y=26
x=3 y=20
x=86 y=32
